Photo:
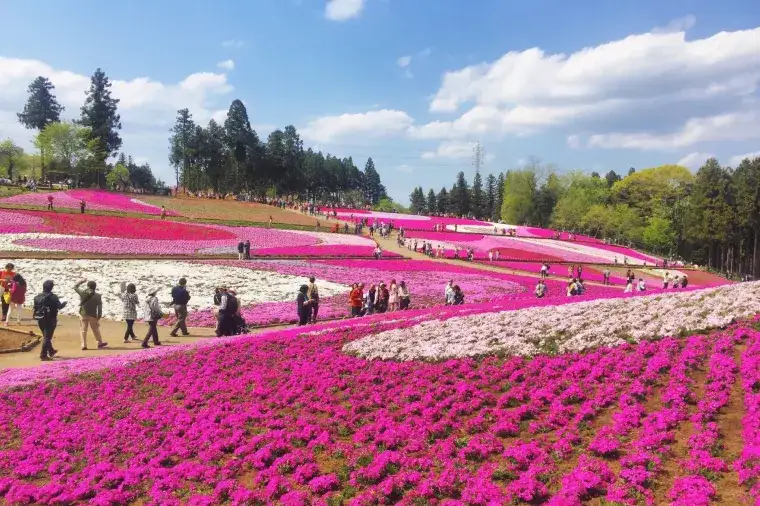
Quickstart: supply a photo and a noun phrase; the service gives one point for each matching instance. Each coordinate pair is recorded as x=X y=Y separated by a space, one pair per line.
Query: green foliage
x=518 y=205
x=10 y=156
x=387 y=205
x=417 y=201
x=118 y=177
x=41 y=108
x=99 y=115
x=70 y=145
x=459 y=197
x=659 y=235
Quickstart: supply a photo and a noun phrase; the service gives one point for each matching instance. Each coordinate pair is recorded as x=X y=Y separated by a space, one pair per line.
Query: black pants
x=314 y=311
x=224 y=327
x=47 y=327
x=5 y=307
x=130 y=331
x=355 y=311
x=152 y=332
x=303 y=316
x=404 y=303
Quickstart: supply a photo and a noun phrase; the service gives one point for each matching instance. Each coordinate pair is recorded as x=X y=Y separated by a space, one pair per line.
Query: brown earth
x=198 y=208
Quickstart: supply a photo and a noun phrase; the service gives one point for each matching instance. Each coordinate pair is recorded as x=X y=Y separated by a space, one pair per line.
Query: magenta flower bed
x=589 y=274
x=96 y=200
x=13 y=223
x=410 y=221
x=283 y=418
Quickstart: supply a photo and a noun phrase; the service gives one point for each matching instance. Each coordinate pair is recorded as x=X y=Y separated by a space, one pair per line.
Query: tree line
x=231 y=158
x=78 y=150
x=711 y=217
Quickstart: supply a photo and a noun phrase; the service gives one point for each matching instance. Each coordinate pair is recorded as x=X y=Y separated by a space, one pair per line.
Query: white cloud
x=379 y=123
x=450 y=149
x=404 y=61
x=638 y=83
x=147 y=107
x=574 y=141
x=731 y=126
x=343 y=10
x=226 y=64
x=694 y=160
x=407 y=169
x=682 y=24
x=736 y=160
x=233 y=43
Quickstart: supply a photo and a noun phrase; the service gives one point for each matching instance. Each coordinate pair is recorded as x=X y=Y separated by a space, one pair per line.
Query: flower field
x=287 y=418
x=85 y=233
x=96 y=200
x=533 y=249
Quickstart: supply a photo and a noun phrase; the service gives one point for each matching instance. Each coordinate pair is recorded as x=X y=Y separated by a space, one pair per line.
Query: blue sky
x=412 y=83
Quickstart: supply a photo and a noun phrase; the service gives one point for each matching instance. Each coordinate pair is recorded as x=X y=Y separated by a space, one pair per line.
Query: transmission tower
x=478 y=156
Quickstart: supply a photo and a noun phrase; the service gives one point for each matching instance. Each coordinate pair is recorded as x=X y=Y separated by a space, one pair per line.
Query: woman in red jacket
x=18 y=297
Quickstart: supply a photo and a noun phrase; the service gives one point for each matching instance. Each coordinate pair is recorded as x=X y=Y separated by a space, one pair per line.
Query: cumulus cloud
x=450 y=149
x=736 y=160
x=632 y=83
x=379 y=123
x=694 y=160
x=731 y=126
x=226 y=65
x=343 y=10
x=677 y=25
x=147 y=107
x=404 y=61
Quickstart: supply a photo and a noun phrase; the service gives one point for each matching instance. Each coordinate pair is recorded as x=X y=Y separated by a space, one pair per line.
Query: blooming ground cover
x=564 y=328
x=533 y=249
x=267 y=289
x=96 y=200
x=410 y=221
x=40 y=231
x=287 y=418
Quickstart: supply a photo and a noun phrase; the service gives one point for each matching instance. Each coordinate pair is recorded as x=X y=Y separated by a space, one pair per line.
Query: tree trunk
x=754 y=254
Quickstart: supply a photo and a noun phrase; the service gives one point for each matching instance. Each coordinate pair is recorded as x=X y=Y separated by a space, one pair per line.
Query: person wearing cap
x=180 y=298
x=90 y=312
x=152 y=314
x=46 y=307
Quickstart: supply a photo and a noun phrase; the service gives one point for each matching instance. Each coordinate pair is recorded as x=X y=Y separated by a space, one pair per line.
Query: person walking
x=46 y=307
x=163 y=212
x=50 y=203
x=152 y=314
x=17 y=291
x=90 y=312
x=356 y=297
x=312 y=294
x=129 y=312
x=227 y=308
x=6 y=277
x=247 y=249
x=180 y=298
x=393 y=300
x=302 y=303
x=241 y=250
x=403 y=295
x=540 y=290
x=82 y=205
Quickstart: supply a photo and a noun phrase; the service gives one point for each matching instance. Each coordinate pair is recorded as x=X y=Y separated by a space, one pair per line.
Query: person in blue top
x=180 y=298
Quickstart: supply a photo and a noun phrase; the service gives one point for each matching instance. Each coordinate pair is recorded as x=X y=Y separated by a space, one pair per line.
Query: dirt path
x=66 y=340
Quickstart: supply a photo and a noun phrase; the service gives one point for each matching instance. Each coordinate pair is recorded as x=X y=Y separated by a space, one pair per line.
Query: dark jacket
x=50 y=301
x=180 y=295
x=90 y=304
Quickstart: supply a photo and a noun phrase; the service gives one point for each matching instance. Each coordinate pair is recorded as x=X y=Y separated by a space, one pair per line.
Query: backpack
x=41 y=309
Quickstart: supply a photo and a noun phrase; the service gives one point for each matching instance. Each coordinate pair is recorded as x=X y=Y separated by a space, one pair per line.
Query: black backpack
x=41 y=309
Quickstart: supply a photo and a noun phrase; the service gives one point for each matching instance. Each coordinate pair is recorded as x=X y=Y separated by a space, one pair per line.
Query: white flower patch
x=252 y=286
x=339 y=239
x=141 y=203
x=561 y=329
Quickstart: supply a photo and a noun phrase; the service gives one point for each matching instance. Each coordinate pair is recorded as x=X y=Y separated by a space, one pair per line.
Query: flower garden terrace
x=41 y=231
x=266 y=288
x=288 y=417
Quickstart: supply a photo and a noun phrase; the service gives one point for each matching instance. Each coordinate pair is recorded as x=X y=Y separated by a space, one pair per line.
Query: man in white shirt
x=449 y=292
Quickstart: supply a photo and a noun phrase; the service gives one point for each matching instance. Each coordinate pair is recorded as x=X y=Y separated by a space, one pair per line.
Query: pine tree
x=477 y=201
x=417 y=201
x=460 y=196
x=180 y=146
x=496 y=216
x=373 y=189
x=432 y=206
x=239 y=139
x=100 y=116
x=490 y=197
x=41 y=108
x=442 y=201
